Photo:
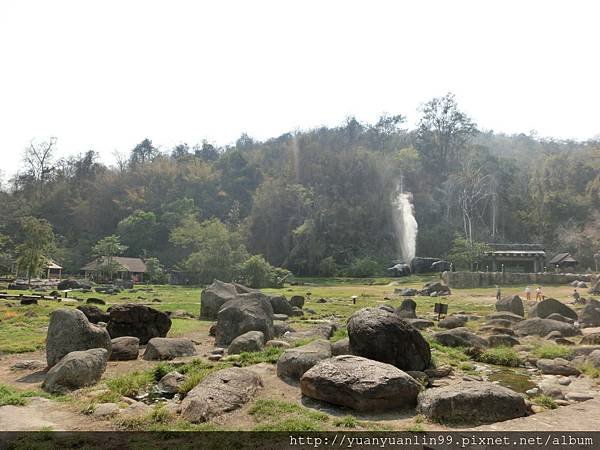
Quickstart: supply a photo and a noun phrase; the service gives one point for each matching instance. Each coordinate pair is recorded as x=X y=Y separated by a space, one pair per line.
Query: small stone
x=561 y=402
x=105 y=410
x=217 y=351
x=532 y=392
x=215 y=357
x=578 y=396
x=564 y=381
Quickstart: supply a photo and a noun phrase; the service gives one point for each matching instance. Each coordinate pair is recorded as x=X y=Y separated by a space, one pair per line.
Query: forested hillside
x=316 y=202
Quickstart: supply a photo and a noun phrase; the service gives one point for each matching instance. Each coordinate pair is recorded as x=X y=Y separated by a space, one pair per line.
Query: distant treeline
x=316 y=202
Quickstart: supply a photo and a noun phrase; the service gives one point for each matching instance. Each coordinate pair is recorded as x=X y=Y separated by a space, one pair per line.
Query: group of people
x=539 y=295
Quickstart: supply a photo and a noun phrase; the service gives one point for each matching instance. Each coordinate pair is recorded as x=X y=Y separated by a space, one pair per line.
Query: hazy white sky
x=105 y=74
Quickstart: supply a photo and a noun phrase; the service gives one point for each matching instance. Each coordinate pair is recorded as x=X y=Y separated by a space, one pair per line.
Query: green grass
x=442 y=355
x=130 y=384
x=11 y=396
x=346 y=422
x=268 y=355
x=551 y=351
x=501 y=356
x=415 y=428
x=545 y=401
x=276 y=415
x=588 y=369
x=340 y=334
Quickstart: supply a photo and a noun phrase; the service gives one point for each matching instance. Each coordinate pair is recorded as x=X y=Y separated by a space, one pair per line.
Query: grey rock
x=506 y=315
x=215 y=296
x=294 y=362
x=252 y=341
x=407 y=309
x=297 y=301
x=220 y=392
x=579 y=396
x=460 y=337
x=281 y=317
x=589 y=316
x=296 y=312
x=341 y=347
x=104 y=410
x=451 y=322
x=277 y=344
x=28 y=364
x=76 y=370
x=549 y=306
x=541 y=327
x=360 y=384
x=125 y=348
x=470 y=402
x=591 y=339
x=140 y=321
x=280 y=305
x=420 y=324
x=93 y=313
x=69 y=330
x=557 y=366
x=511 y=303
x=280 y=328
x=556 y=316
x=245 y=312
x=385 y=337
x=499 y=323
x=502 y=340
x=594 y=359
x=159 y=349
x=171 y=383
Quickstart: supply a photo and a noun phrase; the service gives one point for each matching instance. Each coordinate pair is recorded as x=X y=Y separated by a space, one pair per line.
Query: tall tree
x=443 y=132
x=38 y=240
x=105 y=250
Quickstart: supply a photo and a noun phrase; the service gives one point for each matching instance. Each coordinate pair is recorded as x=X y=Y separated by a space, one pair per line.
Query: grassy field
x=24 y=327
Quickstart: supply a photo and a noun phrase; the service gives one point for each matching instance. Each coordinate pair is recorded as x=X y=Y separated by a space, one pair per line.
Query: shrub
x=363 y=267
x=551 y=351
x=328 y=267
x=501 y=356
x=257 y=273
x=545 y=401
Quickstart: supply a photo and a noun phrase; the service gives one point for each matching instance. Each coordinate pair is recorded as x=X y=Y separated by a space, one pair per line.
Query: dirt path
x=43 y=414
x=584 y=416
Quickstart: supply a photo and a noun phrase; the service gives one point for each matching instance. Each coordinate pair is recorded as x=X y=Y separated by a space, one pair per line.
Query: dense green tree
x=33 y=252
x=105 y=250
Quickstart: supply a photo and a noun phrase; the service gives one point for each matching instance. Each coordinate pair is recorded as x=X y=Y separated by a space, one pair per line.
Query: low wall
x=466 y=280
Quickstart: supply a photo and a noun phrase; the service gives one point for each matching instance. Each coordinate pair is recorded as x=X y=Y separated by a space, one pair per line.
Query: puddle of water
x=512 y=379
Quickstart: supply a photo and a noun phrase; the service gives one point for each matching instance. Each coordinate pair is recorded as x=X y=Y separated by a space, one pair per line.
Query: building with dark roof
x=563 y=261
x=522 y=258
x=128 y=268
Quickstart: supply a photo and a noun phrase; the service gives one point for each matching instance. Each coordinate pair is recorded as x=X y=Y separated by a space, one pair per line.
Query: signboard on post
x=440 y=308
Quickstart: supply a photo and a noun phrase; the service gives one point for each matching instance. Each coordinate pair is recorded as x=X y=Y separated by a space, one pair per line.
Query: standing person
x=498 y=293
x=538 y=294
x=576 y=295
x=528 y=293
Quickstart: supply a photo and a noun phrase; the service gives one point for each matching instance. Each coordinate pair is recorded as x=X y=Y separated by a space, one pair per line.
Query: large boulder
x=341 y=347
x=320 y=331
x=502 y=340
x=420 y=264
x=440 y=266
x=595 y=289
x=76 y=370
x=140 y=321
x=407 y=309
x=125 y=348
x=220 y=392
x=589 y=316
x=252 y=341
x=171 y=383
x=556 y=316
x=295 y=361
x=360 y=384
x=297 y=301
x=168 y=348
x=451 y=322
x=460 y=337
x=434 y=287
x=420 y=324
x=71 y=283
x=280 y=305
x=94 y=314
x=383 y=336
x=549 y=306
x=245 y=312
x=470 y=402
x=215 y=296
x=511 y=303
x=543 y=327
x=70 y=330
x=506 y=315
x=556 y=366
x=591 y=339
